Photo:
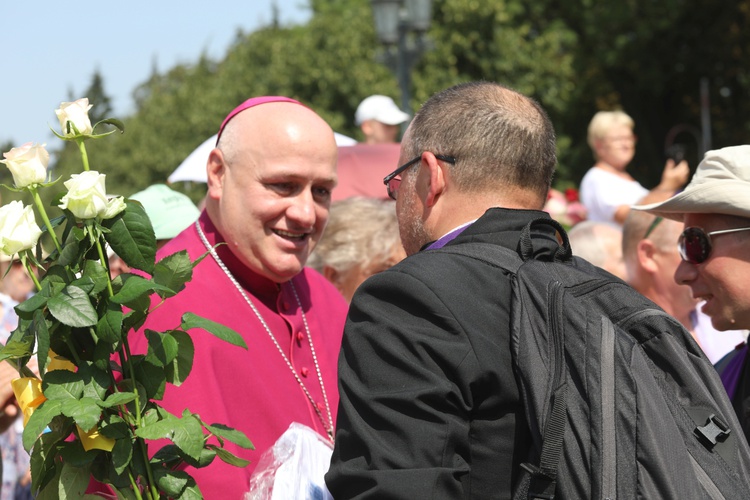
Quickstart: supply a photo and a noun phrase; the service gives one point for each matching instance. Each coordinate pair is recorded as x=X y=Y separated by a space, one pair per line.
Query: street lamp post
x=401 y=26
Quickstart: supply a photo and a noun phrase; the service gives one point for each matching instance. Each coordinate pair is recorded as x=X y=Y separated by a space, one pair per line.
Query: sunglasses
x=392 y=181
x=695 y=244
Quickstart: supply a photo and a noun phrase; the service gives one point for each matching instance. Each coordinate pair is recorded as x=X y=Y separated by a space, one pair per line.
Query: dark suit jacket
x=429 y=406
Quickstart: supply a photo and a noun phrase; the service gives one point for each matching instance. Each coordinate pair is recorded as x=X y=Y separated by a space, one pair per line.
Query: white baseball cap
x=380 y=108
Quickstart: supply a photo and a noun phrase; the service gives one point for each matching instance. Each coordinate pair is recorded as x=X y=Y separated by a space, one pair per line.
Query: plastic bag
x=293 y=468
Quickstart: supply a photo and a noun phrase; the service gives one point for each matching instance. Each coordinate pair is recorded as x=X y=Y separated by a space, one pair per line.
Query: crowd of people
x=395 y=352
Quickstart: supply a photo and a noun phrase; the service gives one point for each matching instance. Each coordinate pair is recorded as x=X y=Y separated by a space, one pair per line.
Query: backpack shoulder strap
x=536 y=481
x=495 y=255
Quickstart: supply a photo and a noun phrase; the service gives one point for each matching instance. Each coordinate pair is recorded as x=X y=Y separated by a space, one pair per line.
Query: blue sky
x=48 y=49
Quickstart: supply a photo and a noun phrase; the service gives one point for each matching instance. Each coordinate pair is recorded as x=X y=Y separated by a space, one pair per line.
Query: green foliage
x=78 y=313
x=575 y=57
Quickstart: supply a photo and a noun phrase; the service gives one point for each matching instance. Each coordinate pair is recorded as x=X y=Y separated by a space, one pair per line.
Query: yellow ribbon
x=93 y=440
x=28 y=391
x=57 y=362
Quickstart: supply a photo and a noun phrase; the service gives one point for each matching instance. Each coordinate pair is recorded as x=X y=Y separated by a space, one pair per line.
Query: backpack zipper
x=609 y=442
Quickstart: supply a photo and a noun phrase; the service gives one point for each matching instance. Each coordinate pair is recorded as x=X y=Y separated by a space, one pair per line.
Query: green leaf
x=158 y=430
x=177 y=371
x=109 y=326
x=232 y=435
x=73 y=482
x=188 y=436
x=171 y=482
x=43 y=340
x=30 y=305
x=97 y=273
x=85 y=283
x=132 y=237
x=122 y=453
x=15 y=349
x=62 y=385
x=38 y=421
x=115 y=427
x=73 y=307
x=72 y=452
x=162 y=348
x=229 y=457
x=110 y=121
x=190 y=320
x=96 y=382
x=116 y=399
x=42 y=461
x=134 y=288
x=173 y=271
x=151 y=376
x=84 y=411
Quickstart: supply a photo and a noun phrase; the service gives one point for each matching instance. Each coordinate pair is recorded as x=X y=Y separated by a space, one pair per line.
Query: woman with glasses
x=714 y=248
x=607 y=189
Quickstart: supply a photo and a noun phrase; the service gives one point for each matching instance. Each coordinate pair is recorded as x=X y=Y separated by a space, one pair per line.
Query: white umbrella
x=193 y=168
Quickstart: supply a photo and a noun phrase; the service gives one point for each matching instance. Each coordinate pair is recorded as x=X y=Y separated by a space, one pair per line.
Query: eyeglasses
x=392 y=181
x=652 y=226
x=695 y=244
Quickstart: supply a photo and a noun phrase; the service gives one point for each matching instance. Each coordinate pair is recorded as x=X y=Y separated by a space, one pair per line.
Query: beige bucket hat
x=721 y=185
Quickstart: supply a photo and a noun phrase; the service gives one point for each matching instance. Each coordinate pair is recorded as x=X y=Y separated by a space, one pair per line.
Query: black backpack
x=620 y=400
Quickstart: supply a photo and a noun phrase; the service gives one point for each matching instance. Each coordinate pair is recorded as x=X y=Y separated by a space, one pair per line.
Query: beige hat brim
x=727 y=197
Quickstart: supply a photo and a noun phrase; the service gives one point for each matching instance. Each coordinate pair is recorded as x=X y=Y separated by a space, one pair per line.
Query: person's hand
x=674 y=176
x=8 y=407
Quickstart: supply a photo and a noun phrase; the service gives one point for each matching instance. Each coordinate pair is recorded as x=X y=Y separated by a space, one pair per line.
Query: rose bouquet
x=565 y=207
x=93 y=406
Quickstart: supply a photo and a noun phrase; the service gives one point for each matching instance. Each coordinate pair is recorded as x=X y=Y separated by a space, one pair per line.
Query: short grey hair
x=499 y=138
x=360 y=231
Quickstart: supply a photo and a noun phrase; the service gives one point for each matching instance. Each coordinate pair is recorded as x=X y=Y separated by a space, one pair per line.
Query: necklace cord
x=327 y=426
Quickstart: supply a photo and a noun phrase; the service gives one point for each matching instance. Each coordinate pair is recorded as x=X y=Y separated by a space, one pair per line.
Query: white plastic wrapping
x=293 y=468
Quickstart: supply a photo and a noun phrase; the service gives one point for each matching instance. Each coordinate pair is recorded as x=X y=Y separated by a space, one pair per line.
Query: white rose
x=87 y=197
x=18 y=228
x=77 y=113
x=28 y=164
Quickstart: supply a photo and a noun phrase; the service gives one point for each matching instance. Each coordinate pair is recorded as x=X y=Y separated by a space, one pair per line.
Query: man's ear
x=646 y=251
x=437 y=178
x=215 y=171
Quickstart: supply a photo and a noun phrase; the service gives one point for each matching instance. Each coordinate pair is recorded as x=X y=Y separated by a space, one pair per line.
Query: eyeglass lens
x=393 y=186
x=694 y=245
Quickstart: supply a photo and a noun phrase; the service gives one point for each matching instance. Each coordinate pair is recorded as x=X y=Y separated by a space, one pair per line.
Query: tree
x=574 y=57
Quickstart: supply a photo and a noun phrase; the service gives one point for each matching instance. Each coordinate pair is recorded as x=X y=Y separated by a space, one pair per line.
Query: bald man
x=270 y=179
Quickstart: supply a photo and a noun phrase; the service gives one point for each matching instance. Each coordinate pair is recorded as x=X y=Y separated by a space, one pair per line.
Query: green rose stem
x=43 y=213
x=84 y=155
x=105 y=263
x=154 y=492
x=141 y=444
x=30 y=272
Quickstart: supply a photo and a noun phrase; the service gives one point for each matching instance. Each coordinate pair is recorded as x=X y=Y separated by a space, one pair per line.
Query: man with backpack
x=490 y=363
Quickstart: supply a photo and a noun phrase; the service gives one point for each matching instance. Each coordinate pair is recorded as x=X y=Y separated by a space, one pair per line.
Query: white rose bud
x=18 y=228
x=87 y=197
x=76 y=112
x=28 y=164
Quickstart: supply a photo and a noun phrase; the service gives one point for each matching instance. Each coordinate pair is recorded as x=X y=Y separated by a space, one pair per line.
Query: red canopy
x=361 y=169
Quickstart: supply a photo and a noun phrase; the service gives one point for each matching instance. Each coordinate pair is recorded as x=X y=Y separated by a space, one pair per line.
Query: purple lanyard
x=447 y=238
x=730 y=376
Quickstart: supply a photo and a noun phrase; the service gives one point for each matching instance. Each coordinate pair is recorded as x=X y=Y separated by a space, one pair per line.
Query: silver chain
x=329 y=426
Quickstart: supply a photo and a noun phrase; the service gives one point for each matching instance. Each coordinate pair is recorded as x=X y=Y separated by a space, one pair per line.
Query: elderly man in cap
x=270 y=179
x=715 y=250
x=379 y=118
